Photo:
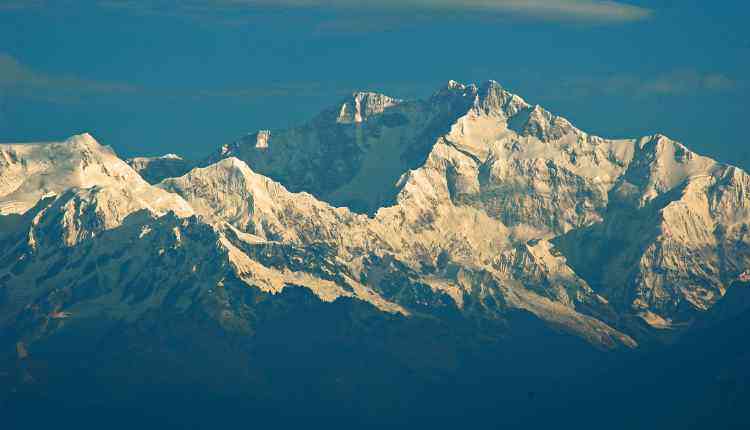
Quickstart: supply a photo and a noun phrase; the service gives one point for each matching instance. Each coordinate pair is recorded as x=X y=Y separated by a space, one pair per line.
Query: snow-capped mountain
x=665 y=229
x=471 y=204
x=30 y=172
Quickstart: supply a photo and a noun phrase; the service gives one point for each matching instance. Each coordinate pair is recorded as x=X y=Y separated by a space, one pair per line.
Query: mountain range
x=471 y=217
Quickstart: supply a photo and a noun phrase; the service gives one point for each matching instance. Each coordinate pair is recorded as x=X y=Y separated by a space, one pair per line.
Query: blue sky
x=156 y=76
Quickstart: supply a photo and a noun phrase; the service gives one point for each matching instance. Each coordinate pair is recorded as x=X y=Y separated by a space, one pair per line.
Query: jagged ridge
x=477 y=201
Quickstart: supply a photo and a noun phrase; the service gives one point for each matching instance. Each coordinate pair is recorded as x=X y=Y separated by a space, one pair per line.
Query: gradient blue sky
x=156 y=76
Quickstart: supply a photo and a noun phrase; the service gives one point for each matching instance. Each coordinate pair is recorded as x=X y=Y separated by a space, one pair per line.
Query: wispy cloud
x=688 y=81
x=595 y=11
x=585 y=10
x=20 y=80
x=17 y=79
x=669 y=83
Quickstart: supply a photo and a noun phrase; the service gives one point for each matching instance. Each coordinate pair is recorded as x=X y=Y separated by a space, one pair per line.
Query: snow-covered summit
x=88 y=187
x=30 y=171
x=229 y=191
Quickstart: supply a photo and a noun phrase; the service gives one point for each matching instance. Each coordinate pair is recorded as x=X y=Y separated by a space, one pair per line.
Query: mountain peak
x=489 y=97
x=362 y=105
x=493 y=98
x=32 y=172
x=659 y=145
x=455 y=87
x=82 y=137
x=224 y=171
x=83 y=140
x=491 y=85
x=231 y=163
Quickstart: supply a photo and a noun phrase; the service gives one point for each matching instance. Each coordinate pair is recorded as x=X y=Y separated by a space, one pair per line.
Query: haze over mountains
x=472 y=211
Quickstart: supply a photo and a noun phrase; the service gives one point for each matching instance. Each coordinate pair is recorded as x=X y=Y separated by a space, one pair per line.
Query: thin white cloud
x=569 y=9
x=593 y=10
x=586 y=11
x=670 y=83
x=606 y=11
x=688 y=81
